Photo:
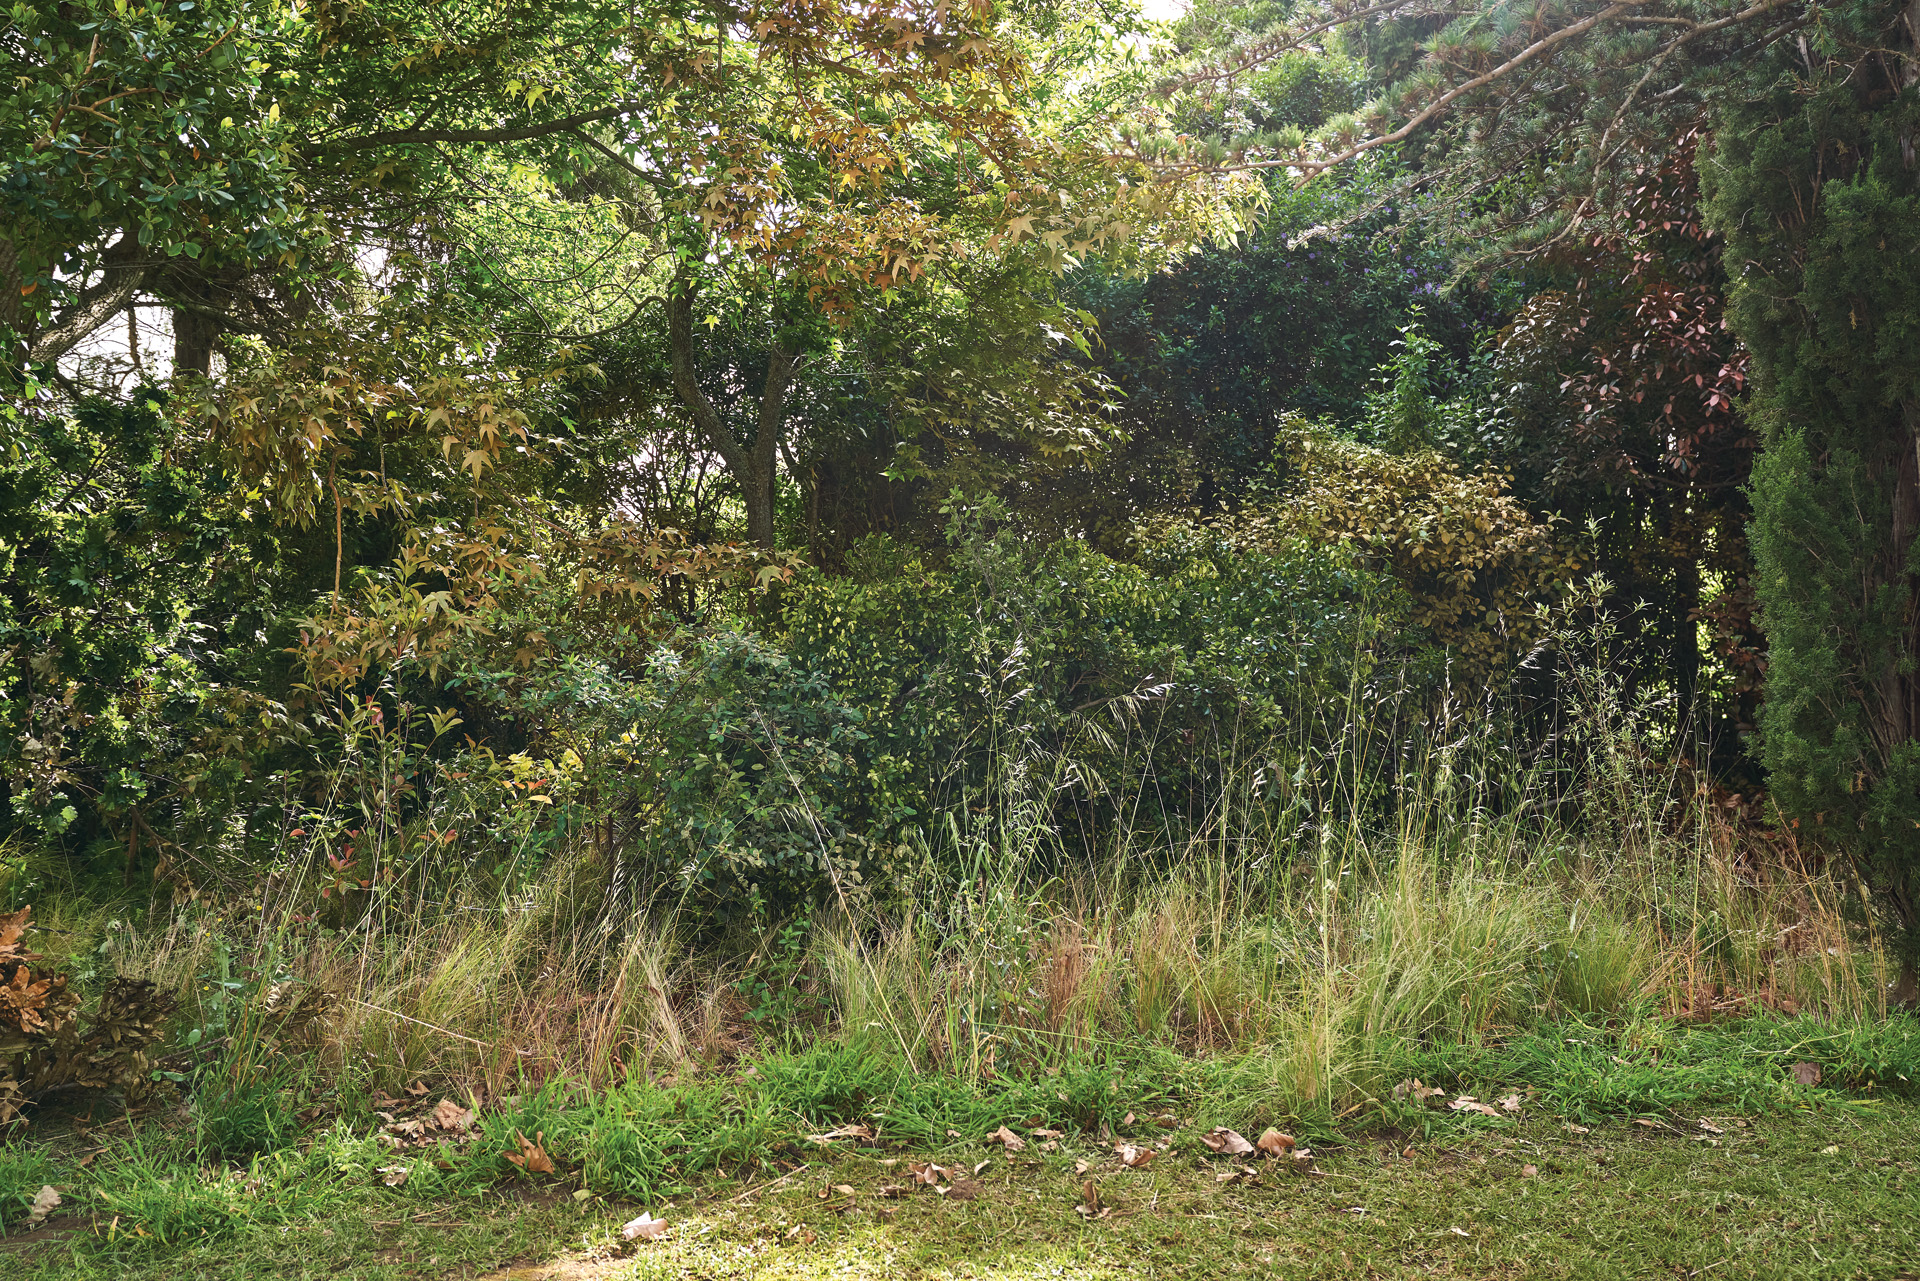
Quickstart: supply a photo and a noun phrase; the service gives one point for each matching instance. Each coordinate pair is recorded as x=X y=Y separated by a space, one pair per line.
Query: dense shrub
x=1058 y=677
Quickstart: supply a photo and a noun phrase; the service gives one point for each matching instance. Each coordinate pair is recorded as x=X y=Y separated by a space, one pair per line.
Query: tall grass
x=1321 y=934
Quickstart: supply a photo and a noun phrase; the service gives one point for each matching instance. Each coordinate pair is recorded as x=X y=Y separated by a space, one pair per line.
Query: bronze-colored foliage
x=45 y=1043
x=1475 y=562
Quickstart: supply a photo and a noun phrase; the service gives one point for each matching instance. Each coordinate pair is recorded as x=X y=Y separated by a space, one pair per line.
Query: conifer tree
x=1815 y=186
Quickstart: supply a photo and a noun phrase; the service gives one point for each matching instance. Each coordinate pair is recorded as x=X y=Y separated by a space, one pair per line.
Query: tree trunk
x=751 y=462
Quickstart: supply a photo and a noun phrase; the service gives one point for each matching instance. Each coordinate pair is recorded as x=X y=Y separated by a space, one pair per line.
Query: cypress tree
x=1813 y=181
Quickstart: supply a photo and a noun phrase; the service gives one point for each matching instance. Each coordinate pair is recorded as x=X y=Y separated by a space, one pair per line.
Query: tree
x=1814 y=184
x=144 y=147
x=1620 y=384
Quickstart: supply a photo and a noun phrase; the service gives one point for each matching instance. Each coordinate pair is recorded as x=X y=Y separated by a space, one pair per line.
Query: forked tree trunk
x=752 y=462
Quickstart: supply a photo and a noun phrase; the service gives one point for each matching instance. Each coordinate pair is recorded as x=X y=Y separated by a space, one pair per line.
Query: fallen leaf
x=1298 y=1161
x=418 y=1089
x=1090 y=1207
x=842 y=1132
x=394 y=1175
x=962 y=1189
x=1082 y=1166
x=582 y=1194
x=646 y=1228
x=1642 y=1121
x=1127 y=1119
x=1832 y=1149
x=1226 y=1141
x=843 y=1189
x=45 y=1202
x=1459 y=1232
x=1413 y=1089
x=1710 y=1127
x=1044 y=1133
x=892 y=1190
x=1510 y=1104
x=1806 y=1073
x=532 y=1156
x=1274 y=1143
x=1571 y=1128
x=1467 y=1103
x=1528 y=1171
x=982 y=1165
x=449 y=1115
x=1132 y=1157
x=1011 y=1141
x=926 y=1172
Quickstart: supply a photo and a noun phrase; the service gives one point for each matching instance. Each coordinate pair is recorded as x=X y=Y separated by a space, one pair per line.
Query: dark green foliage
x=1813 y=186
x=743 y=762
x=1101 y=691
x=128 y=579
x=1210 y=356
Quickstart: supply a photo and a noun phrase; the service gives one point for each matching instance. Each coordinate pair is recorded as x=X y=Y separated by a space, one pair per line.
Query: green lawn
x=1828 y=1192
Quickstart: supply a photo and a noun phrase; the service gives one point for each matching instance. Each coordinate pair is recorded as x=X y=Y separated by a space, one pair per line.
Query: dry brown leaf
x=1228 y=1142
x=1467 y=1103
x=1090 y=1207
x=646 y=1228
x=418 y=1089
x=1007 y=1138
x=1510 y=1104
x=1132 y=1157
x=1642 y=1121
x=798 y=1232
x=1274 y=1143
x=1528 y=1171
x=842 y=1132
x=449 y=1115
x=1298 y=1161
x=46 y=1201
x=532 y=1156
x=893 y=1190
x=926 y=1173
x=1571 y=1128
x=1044 y=1133
x=962 y=1189
x=1419 y=1093
x=1710 y=1127
x=1806 y=1073
x=395 y=1175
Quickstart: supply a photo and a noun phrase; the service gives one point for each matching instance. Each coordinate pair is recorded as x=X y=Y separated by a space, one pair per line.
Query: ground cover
x=1823 y=1191
x=1633 y=1149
